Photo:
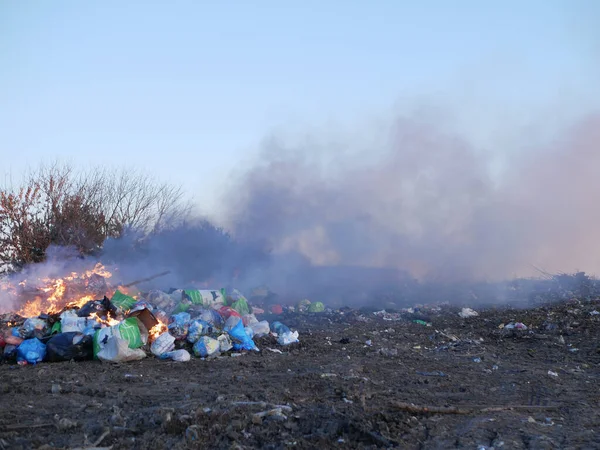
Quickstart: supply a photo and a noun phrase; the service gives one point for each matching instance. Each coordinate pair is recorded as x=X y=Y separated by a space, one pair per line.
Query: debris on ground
x=123 y=328
x=408 y=376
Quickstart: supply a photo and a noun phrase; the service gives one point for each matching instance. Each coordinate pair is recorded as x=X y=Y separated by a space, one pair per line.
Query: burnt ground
x=335 y=390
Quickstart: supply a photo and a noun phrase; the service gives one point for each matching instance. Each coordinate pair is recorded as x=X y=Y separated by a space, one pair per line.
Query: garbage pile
x=173 y=325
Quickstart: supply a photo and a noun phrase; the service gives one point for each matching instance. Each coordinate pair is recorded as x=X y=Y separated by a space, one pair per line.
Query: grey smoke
x=339 y=225
x=426 y=202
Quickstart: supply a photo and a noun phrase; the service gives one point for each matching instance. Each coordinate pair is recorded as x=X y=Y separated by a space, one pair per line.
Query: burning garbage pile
x=81 y=317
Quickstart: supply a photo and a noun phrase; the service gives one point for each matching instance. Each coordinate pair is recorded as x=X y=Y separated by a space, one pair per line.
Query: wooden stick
x=23 y=426
x=147 y=279
x=429 y=409
x=466 y=409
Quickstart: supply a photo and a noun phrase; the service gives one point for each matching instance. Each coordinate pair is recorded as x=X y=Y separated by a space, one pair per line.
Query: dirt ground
x=460 y=383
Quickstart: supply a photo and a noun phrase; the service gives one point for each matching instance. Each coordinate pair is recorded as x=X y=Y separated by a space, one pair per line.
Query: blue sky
x=187 y=90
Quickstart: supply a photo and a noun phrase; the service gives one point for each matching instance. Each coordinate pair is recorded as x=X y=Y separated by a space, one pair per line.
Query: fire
x=79 y=303
x=108 y=321
x=157 y=330
x=50 y=296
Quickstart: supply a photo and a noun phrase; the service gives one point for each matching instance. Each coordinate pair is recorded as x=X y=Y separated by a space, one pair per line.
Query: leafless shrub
x=57 y=205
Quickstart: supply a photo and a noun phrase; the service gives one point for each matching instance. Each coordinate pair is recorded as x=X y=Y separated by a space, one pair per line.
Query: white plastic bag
x=117 y=350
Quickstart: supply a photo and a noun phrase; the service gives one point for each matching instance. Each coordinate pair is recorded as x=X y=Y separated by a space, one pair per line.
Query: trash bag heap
x=169 y=325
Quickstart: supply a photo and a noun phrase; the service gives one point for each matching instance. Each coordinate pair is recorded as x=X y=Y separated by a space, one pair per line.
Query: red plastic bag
x=227 y=311
x=276 y=309
x=13 y=340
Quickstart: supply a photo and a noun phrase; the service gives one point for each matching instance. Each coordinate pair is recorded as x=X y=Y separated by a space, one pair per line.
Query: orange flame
x=109 y=321
x=157 y=330
x=52 y=297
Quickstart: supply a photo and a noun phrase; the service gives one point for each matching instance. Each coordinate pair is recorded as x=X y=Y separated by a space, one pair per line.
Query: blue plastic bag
x=279 y=328
x=235 y=329
x=212 y=317
x=179 y=325
x=31 y=350
x=284 y=335
x=206 y=346
x=198 y=328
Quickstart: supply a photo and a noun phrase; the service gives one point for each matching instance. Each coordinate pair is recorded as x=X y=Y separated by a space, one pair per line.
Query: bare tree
x=60 y=206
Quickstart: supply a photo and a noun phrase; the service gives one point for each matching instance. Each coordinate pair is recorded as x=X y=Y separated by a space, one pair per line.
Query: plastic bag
x=249 y=319
x=70 y=346
x=56 y=328
x=163 y=344
x=117 y=349
x=198 y=328
x=284 y=335
x=71 y=322
x=205 y=298
x=179 y=325
x=212 y=317
x=140 y=305
x=260 y=328
x=206 y=346
x=316 y=307
x=10 y=352
x=31 y=351
x=235 y=328
x=131 y=330
x=181 y=355
x=99 y=307
x=240 y=303
x=33 y=327
x=227 y=311
x=122 y=302
x=303 y=305
x=13 y=338
x=225 y=343
x=162 y=300
x=276 y=309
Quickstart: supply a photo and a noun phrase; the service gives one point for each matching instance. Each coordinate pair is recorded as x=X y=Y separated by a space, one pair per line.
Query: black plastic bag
x=101 y=307
x=70 y=346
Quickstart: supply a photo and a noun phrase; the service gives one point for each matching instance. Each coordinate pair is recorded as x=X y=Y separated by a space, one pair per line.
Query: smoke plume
x=426 y=202
x=342 y=225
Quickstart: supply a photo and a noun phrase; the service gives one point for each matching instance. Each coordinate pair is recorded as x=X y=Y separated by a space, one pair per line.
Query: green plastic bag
x=241 y=306
x=122 y=301
x=182 y=307
x=56 y=328
x=206 y=298
x=128 y=329
x=316 y=307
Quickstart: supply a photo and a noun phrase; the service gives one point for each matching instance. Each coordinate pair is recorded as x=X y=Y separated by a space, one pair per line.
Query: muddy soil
x=460 y=383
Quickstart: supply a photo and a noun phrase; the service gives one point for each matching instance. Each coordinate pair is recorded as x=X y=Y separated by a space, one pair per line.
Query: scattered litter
x=436 y=373
x=552 y=374
x=465 y=313
x=180 y=355
x=514 y=326
x=284 y=335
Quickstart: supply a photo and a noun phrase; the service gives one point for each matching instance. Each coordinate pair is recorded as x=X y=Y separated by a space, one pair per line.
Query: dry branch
x=415 y=409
